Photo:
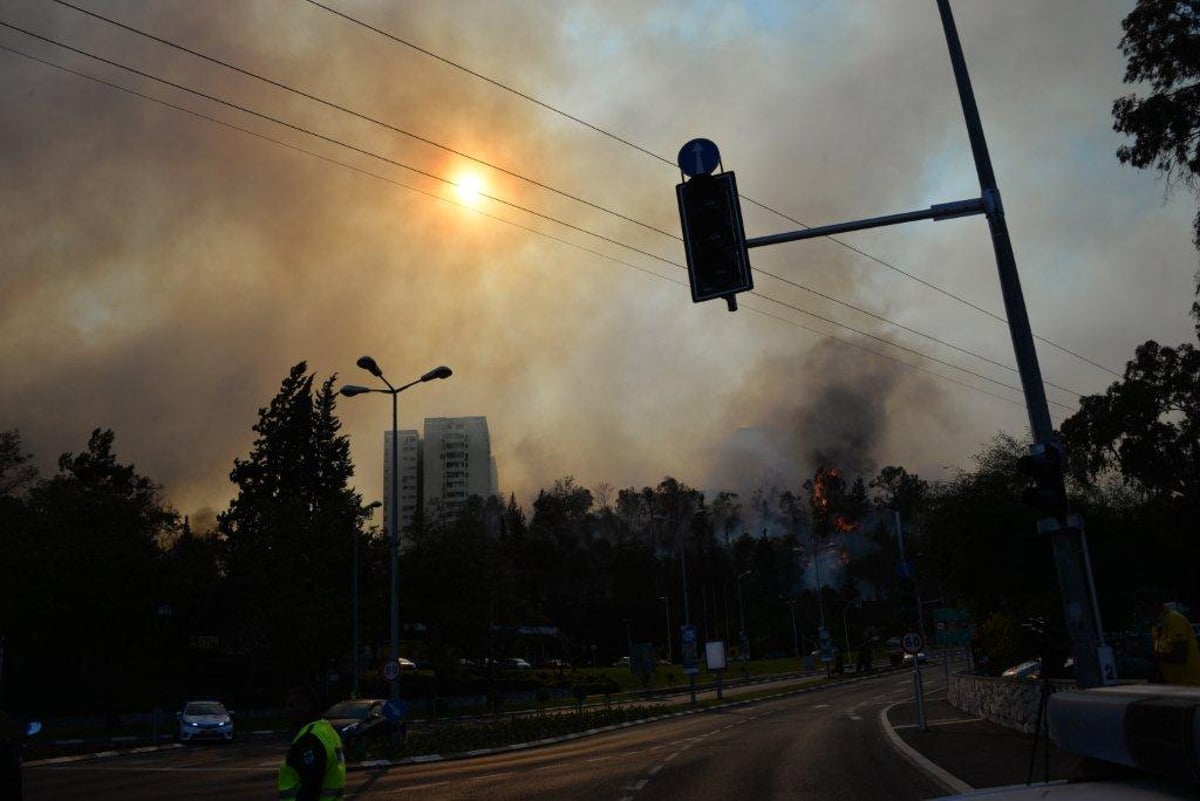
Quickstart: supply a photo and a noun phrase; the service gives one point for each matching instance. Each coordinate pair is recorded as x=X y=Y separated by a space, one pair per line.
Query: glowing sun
x=469 y=188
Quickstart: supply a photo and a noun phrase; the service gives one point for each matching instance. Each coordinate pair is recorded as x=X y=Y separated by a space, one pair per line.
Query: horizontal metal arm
x=940 y=211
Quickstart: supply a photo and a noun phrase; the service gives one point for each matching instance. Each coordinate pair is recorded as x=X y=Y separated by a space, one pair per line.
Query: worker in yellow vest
x=315 y=767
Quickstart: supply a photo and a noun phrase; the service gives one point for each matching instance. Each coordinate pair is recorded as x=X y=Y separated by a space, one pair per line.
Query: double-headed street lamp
x=350 y=390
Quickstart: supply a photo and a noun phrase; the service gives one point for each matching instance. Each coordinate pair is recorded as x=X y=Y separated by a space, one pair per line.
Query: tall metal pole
x=795 y=636
x=745 y=637
x=667 y=608
x=687 y=615
x=1070 y=548
x=354 y=593
x=394 y=532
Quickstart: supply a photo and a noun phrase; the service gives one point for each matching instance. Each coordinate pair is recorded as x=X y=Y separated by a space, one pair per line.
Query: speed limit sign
x=390 y=670
x=912 y=643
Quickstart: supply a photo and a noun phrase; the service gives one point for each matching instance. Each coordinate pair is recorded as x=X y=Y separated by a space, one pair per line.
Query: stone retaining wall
x=1012 y=703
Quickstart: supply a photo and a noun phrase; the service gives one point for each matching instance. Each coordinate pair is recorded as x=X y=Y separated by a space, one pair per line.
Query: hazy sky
x=161 y=272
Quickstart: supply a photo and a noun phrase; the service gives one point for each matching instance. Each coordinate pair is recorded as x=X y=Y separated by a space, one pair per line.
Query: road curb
x=948 y=780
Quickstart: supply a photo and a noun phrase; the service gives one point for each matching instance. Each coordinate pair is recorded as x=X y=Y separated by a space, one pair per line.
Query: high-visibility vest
x=334 y=783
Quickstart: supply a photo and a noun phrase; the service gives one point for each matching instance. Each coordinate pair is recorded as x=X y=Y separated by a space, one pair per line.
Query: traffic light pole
x=1093 y=662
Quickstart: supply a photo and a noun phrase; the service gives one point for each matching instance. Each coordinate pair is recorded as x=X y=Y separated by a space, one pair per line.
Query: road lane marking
x=821 y=706
x=938 y=722
x=671 y=756
x=655 y=769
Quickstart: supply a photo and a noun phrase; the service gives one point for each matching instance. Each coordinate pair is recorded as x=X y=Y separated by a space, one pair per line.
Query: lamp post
x=350 y=390
x=742 y=614
x=856 y=603
x=795 y=637
x=667 y=608
x=367 y=510
x=821 y=633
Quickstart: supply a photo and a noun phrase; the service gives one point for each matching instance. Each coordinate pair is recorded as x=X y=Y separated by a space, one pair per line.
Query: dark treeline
x=113 y=603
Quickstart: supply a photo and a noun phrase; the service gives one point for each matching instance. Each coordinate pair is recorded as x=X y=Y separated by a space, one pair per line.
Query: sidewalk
x=963 y=753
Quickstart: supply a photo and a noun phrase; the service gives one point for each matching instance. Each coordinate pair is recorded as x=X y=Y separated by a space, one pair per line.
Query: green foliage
x=83 y=585
x=1145 y=428
x=980 y=544
x=508 y=730
x=1162 y=38
x=290 y=529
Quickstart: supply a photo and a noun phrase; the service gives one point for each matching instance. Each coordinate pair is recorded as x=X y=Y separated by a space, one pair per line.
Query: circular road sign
x=698 y=157
x=912 y=643
x=390 y=670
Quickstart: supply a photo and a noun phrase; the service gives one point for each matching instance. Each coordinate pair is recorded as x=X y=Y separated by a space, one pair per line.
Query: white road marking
x=640 y=784
x=821 y=706
x=939 y=722
x=655 y=769
x=671 y=756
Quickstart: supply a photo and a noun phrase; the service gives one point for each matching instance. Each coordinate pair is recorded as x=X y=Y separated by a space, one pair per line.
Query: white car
x=205 y=720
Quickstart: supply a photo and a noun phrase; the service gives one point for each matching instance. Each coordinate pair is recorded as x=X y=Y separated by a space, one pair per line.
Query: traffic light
x=910 y=604
x=1043 y=468
x=714 y=238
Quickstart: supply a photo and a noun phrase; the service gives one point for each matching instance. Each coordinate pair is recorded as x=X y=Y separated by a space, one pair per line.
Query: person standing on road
x=315 y=766
x=1176 y=652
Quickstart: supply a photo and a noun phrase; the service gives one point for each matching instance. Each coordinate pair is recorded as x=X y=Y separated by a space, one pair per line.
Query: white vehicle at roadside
x=205 y=720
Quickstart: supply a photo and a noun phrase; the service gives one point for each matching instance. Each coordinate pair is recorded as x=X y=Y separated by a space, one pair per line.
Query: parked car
x=515 y=663
x=205 y=720
x=908 y=658
x=1031 y=670
x=361 y=718
x=555 y=664
x=406 y=665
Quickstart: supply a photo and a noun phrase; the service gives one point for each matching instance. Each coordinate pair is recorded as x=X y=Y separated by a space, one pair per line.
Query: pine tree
x=289 y=532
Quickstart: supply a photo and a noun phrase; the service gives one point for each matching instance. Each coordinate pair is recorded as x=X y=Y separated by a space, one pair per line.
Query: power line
x=512 y=205
x=556 y=110
x=439 y=145
x=361 y=116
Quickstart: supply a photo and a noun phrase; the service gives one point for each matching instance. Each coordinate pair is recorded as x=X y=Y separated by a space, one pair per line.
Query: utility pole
x=1094 y=663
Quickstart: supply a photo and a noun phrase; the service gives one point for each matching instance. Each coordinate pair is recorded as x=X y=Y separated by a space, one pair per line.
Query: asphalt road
x=819 y=745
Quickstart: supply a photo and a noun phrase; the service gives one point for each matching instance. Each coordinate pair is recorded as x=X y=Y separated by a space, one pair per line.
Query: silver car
x=205 y=720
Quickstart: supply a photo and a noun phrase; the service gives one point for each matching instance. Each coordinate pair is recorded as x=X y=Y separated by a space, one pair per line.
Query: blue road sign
x=698 y=157
x=395 y=710
x=905 y=569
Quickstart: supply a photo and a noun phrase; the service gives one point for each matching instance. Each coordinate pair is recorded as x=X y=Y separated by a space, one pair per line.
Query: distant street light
x=350 y=390
x=667 y=608
x=742 y=613
x=366 y=510
x=795 y=636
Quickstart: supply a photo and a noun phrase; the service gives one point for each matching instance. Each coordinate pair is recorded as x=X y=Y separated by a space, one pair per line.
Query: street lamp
x=350 y=390
x=822 y=634
x=366 y=511
x=667 y=608
x=742 y=614
x=795 y=637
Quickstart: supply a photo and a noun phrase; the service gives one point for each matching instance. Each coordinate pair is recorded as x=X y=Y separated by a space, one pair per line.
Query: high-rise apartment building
x=409 y=459
x=457 y=462
x=438 y=473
